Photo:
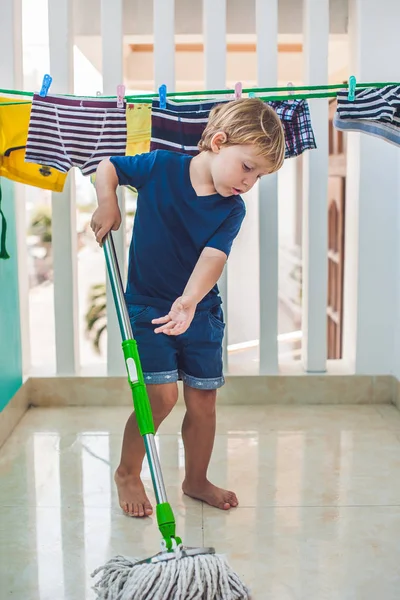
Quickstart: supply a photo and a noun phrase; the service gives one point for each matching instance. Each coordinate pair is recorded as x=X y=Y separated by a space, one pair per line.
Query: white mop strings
x=200 y=577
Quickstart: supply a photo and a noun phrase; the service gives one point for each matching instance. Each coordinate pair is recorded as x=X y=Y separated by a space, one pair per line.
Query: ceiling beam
x=231 y=47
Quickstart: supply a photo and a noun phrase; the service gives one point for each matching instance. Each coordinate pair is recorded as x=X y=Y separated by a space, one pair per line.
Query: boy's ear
x=217 y=140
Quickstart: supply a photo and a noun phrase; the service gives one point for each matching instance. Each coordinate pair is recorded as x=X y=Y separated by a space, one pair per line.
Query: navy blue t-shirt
x=172 y=226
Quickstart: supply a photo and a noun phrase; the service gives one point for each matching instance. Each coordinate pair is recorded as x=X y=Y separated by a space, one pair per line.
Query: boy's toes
x=231 y=498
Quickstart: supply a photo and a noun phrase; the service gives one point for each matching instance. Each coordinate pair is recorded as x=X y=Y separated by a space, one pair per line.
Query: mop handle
x=135 y=375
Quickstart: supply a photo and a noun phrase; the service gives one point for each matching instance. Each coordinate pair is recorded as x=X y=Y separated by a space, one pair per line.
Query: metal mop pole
x=165 y=516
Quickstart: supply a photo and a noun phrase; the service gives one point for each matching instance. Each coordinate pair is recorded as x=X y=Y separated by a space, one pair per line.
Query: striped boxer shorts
x=78 y=132
x=179 y=126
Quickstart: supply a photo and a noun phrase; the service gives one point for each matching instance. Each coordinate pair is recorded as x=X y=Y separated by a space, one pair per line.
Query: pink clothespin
x=120 y=95
x=290 y=92
x=238 y=90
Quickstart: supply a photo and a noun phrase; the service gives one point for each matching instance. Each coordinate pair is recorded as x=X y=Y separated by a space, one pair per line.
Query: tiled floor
x=319 y=489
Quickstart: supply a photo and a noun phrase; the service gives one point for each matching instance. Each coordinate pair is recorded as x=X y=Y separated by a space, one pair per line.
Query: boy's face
x=235 y=169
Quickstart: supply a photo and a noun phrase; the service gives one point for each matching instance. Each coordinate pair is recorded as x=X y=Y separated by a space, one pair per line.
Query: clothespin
x=120 y=95
x=290 y=92
x=238 y=90
x=98 y=94
x=252 y=95
x=352 y=88
x=45 y=85
x=162 y=91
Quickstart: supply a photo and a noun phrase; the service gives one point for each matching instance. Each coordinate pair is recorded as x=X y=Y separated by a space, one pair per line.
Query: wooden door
x=336 y=229
x=336 y=191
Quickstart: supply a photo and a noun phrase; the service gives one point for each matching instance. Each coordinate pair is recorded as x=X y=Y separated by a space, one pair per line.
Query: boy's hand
x=104 y=219
x=178 y=319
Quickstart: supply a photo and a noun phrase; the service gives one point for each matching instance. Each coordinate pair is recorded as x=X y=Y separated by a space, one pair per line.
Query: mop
x=177 y=572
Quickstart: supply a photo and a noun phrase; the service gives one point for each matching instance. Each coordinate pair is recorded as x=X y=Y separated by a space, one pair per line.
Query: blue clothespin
x=352 y=88
x=162 y=90
x=252 y=95
x=47 y=79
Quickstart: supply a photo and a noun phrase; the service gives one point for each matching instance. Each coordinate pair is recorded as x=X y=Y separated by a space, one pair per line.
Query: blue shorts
x=194 y=356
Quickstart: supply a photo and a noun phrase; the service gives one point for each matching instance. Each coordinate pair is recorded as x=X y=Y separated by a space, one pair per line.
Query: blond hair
x=248 y=121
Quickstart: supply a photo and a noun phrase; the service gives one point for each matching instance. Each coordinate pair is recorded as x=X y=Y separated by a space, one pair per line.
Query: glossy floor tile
x=319 y=492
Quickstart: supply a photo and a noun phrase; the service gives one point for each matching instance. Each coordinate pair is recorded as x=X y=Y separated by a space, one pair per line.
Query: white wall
x=372 y=193
x=243 y=266
x=397 y=316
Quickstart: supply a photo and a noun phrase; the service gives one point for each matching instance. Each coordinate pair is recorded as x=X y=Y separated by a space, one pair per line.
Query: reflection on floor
x=319 y=491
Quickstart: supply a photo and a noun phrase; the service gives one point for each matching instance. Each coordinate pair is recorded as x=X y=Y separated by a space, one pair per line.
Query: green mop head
x=178 y=575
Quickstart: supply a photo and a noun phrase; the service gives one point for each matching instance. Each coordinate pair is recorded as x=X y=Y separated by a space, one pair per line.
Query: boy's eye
x=246 y=167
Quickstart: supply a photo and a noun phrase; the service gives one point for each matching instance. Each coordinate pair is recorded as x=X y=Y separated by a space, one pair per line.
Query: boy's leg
x=132 y=496
x=198 y=433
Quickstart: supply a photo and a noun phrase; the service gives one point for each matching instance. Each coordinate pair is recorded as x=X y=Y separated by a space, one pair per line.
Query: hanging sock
x=3 y=251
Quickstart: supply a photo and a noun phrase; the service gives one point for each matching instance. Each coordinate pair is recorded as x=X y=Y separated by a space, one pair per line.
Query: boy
x=189 y=211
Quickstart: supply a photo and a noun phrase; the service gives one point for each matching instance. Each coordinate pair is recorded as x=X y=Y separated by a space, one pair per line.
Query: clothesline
x=44 y=135
x=182 y=96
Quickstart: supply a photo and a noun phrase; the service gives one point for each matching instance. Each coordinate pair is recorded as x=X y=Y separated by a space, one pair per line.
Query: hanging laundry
x=67 y=132
x=376 y=104
x=296 y=121
x=374 y=111
x=138 y=122
x=14 y=122
x=180 y=126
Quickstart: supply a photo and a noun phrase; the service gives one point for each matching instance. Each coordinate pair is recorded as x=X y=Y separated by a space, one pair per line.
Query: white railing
x=371 y=295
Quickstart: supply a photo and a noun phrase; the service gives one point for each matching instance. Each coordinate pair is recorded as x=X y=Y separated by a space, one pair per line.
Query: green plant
x=96 y=317
x=41 y=224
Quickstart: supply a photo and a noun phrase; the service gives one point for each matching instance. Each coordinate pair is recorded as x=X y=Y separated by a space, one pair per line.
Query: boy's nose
x=248 y=183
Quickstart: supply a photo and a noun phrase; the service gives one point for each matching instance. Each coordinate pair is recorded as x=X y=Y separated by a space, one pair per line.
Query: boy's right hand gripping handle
x=141 y=400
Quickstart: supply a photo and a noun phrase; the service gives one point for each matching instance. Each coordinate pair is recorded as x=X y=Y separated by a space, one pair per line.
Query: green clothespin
x=3 y=251
x=352 y=88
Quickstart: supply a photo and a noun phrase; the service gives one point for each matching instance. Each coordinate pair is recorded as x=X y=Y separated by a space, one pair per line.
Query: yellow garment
x=138 y=122
x=14 y=123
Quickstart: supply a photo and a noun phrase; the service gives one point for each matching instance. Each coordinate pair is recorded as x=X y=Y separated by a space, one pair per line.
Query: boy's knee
x=201 y=402
x=163 y=398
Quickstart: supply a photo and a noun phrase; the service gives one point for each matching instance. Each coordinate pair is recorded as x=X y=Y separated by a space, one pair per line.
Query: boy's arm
x=107 y=216
x=205 y=275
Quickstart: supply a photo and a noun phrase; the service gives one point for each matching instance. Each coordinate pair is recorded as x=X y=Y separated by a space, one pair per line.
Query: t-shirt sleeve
x=226 y=233
x=133 y=170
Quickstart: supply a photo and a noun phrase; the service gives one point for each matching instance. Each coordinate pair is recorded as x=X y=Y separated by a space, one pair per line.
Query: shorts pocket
x=136 y=312
x=216 y=317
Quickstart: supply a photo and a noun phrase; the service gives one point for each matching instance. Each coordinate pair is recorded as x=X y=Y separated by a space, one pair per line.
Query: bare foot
x=211 y=494
x=132 y=496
